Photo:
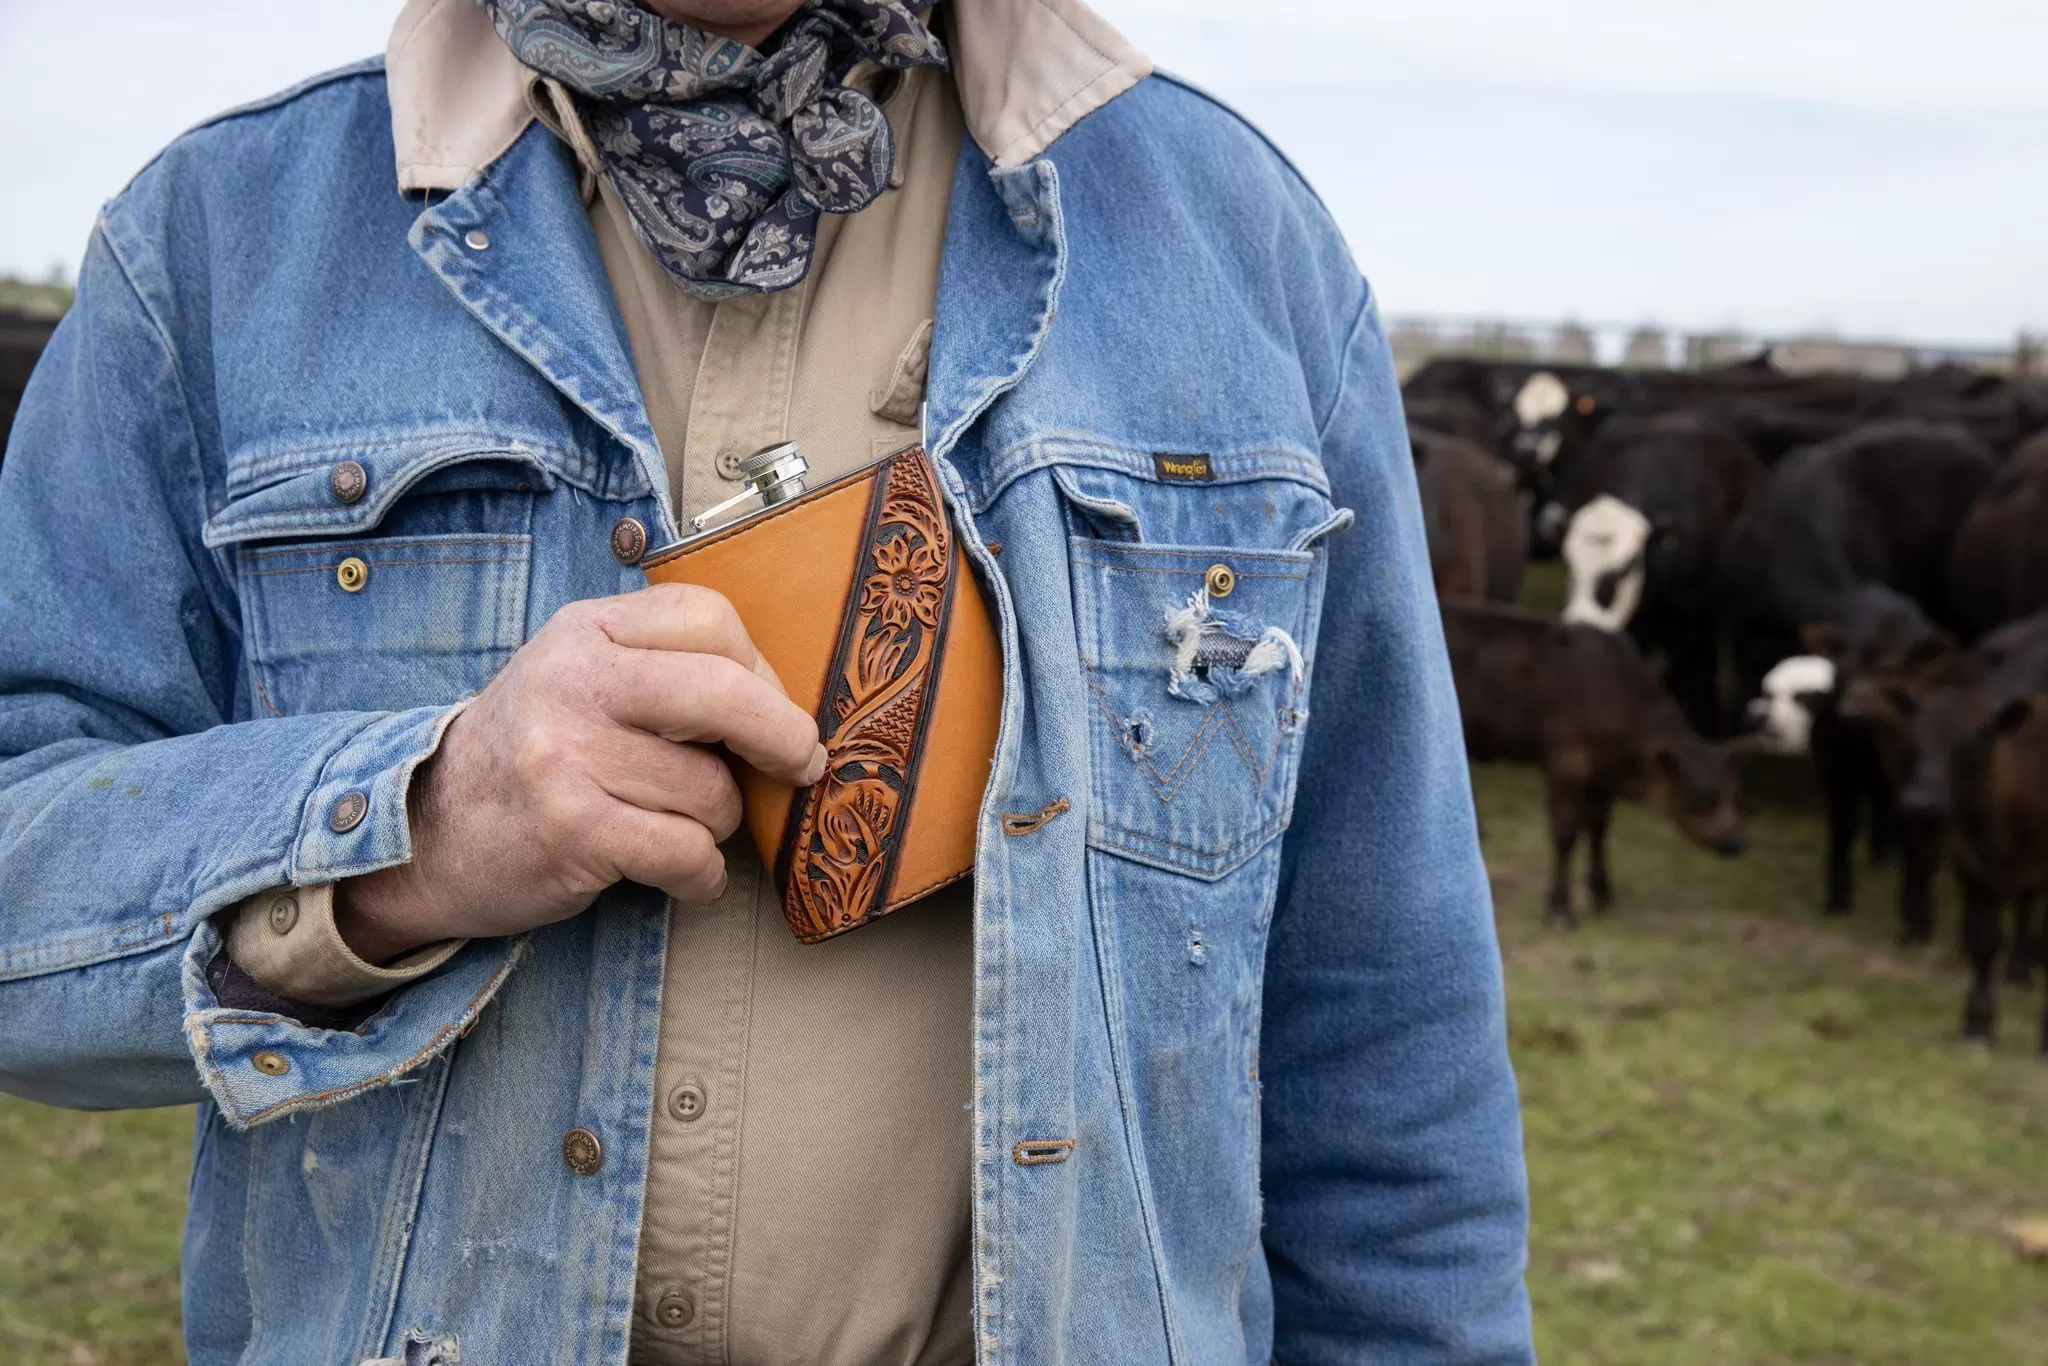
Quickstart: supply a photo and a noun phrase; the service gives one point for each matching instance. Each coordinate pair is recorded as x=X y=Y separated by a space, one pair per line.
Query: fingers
x=660 y=849
x=710 y=699
x=684 y=618
x=659 y=775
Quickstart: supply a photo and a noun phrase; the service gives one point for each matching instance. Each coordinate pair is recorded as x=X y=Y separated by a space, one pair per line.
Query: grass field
x=1752 y=1136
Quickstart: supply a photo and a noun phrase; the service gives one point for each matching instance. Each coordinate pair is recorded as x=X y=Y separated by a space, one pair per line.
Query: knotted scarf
x=725 y=154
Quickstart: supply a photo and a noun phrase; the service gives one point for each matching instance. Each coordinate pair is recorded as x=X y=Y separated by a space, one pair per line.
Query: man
x=502 y=1051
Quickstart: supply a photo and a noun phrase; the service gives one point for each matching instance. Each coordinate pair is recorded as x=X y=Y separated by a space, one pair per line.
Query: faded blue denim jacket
x=1241 y=1086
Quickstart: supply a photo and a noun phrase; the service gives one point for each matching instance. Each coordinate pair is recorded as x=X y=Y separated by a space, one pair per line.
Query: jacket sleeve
x=131 y=808
x=1395 y=1196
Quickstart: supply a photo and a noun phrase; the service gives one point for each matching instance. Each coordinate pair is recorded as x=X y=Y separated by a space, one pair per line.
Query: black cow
x=22 y=339
x=1843 y=554
x=1998 y=568
x=1653 y=499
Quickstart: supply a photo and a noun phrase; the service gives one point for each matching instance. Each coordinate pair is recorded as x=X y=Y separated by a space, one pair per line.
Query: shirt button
x=629 y=540
x=686 y=1102
x=581 y=1152
x=675 y=1309
x=348 y=812
x=728 y=464
x=284 y=913
x=271 y=1064
x=476 y=239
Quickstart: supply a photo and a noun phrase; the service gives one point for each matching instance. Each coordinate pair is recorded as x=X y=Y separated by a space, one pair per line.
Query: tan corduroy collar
x=1028 y=70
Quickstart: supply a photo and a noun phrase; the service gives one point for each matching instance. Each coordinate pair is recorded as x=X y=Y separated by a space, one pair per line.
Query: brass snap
x=629 y=540
x=675 y=1309
x=271 y=1064
x=581 y=1152
x=348 y=812
x=284 y=913
x=351 y=574
x=686 y=1102
x=1220 y=580
x=348 y=481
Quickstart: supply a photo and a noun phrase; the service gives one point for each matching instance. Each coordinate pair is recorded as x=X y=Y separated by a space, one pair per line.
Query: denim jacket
x=1241 y=1088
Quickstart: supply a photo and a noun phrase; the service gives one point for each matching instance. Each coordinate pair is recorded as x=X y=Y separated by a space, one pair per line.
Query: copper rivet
x=686 y=1102
x=1220 y=580
x=348 y=481
x=271 y=1064
x=675 y=1309
x=348 y=812
x=629 y=540
x=352 y=574
x=581 y=1151
x=284 y=913
x=728 y=463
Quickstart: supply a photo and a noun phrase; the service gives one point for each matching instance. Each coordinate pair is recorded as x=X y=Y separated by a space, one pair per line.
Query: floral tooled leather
x=844 y=831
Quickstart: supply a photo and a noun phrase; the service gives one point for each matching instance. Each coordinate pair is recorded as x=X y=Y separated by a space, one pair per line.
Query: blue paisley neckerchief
x=724 y=154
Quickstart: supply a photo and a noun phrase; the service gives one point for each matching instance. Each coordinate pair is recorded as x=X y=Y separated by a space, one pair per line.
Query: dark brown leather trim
x=839 y=845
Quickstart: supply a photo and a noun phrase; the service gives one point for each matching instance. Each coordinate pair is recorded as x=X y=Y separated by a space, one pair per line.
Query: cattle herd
x=1827 y=565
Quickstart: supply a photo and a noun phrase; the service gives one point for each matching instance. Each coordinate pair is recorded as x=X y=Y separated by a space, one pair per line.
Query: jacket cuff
x=286 y=941
x=260 y=1064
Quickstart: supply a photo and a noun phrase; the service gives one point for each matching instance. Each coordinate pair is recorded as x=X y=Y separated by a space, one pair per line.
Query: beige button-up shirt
x=808 y=1196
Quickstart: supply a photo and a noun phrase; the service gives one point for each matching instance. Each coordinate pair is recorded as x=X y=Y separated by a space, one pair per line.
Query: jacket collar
x=1028 y=70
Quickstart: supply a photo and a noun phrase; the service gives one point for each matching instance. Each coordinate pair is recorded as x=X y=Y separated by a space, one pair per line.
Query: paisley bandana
x=724 y=154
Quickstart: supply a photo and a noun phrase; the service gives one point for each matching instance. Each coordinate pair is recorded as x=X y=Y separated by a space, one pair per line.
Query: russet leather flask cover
x=857 y=594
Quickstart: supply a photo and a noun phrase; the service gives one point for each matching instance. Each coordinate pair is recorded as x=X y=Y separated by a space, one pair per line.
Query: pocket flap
x=297 y=494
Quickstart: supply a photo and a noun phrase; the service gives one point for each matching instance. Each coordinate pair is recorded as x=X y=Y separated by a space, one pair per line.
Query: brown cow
x=1477 y=523
x=1998 y=566
x=1998 y=844
x=1583 y=704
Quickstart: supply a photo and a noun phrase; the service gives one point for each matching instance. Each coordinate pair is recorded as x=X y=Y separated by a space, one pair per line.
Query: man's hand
x=585 y=762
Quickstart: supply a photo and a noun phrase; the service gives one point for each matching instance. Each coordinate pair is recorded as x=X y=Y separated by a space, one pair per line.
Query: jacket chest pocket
x=382 y=623
x=1196 y=654
x=413 y=596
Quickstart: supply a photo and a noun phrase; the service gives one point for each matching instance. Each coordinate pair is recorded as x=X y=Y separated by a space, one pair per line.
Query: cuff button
x=348 y=812
x=271 y=1064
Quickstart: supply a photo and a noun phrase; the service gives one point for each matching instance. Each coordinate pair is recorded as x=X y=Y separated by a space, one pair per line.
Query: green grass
x=90 y=1206
x=1752 y=1135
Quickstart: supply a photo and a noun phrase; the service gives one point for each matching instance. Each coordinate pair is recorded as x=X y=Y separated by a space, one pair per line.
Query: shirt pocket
x=414 y=599
x=1197 y=654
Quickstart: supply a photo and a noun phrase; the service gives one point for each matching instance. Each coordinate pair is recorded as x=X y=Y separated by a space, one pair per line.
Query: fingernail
x=817 y=768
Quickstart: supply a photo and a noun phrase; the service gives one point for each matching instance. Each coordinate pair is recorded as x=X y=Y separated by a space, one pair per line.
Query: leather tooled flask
x=857 y=593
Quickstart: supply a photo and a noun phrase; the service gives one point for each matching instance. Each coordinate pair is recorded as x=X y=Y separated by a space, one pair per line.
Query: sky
x=1874 y=168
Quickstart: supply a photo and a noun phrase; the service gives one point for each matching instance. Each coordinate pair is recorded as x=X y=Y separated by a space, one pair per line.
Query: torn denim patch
x=1218 y=655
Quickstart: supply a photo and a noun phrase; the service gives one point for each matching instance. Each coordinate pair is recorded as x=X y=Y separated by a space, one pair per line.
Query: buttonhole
x=1040 y=1152
x=1024 y=823
x=1198 y=952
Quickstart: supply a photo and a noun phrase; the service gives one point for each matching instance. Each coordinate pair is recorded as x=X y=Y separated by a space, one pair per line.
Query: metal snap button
x=629 y=540
x=352 y=574
x=476 y=239
x=271 y=1064
x=349 y=481
x=581 y=1152
x=686 y=1102
x=675 y=1309
x=1220 y=580
x=728 y=464
x=284 y=913
x=348 y=812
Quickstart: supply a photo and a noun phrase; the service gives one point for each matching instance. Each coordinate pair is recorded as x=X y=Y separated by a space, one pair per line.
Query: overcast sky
x=1875 y=167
